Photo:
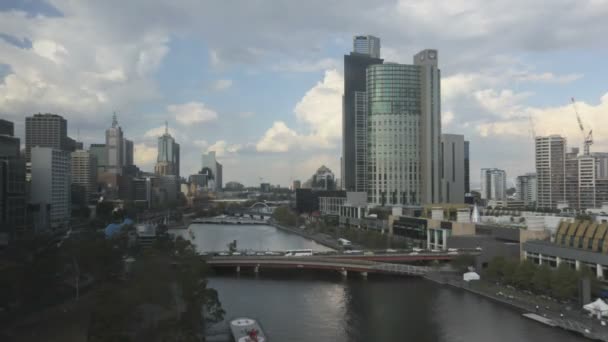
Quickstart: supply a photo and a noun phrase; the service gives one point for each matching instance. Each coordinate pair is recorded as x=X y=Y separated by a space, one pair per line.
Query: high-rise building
x=7 y=128
x=51 y=179
x=84 y=176
x=550 y=170
x=526 y=189
x=394 y=134
x=366 y=52
x=367 y=45
x=493 y=184
x=212 y=171
x=99 y=151
x=46 y=130
x=571 y=171
x=296 y=185
x=453 y=168
x=430 y=124
x=467 y=168
x=167 y=162
x=13 y=204
x=114 y=147
x=127 y=153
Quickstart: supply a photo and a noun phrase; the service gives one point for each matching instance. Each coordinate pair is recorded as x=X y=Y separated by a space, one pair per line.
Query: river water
x=321 y=306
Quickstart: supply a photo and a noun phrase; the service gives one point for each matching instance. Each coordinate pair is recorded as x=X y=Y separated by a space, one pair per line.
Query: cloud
x=307 y=66
x=158 y=131
x=191 y=113
x=145 y=156
x=319 y=111
x=223 y=84
x=222 y=148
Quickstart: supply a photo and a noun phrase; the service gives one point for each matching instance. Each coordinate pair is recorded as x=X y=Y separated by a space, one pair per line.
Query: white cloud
x=191 y=113
x=278 y=138
x=222 y=148
x=307 y=66
x=447 y=117
x=145 y=156
x=222 y=84
x=158 y=131
x=50 y=49
x=505 y=103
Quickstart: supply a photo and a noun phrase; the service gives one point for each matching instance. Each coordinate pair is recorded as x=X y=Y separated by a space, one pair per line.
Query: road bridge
x=341 y=265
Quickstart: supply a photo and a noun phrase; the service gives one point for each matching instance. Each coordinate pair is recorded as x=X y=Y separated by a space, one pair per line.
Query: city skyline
x=287 y=121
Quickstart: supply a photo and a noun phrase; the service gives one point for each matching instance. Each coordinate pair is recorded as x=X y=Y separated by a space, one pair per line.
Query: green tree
x=541 y=281
x=495 y=268
x=285 y=216
x=524 y=274
x=508 y=272
x=564 y=282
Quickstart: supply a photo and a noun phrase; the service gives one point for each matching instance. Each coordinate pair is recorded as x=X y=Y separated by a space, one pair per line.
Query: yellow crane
x=587 y=139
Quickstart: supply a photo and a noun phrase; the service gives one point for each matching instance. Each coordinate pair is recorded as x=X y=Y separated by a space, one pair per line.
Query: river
x=321 y=306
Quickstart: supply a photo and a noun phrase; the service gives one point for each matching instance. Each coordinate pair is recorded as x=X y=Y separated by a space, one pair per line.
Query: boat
x=245 y=329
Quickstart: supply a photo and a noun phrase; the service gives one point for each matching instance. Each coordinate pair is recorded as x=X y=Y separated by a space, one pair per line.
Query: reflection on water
x=306 y=306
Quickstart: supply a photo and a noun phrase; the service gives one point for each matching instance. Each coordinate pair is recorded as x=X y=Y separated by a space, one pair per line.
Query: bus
x=344 y=242
x=299 y=252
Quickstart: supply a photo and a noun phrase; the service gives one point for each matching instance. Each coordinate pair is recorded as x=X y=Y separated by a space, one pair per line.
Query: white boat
x=246 y=330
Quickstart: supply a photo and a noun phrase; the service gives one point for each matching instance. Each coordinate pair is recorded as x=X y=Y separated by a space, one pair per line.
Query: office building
x=167 y=162
x=265 y=187
x=452 y=168
x=526 y=189
x=7 y=128
x=366 y=52
x=114 y=147
x=550 y=170
x=127 y=153
x=467 y=169
x=213 y=171
x=296 y=185
x=46 y=130
x=99 y=151
x=234 y=186
x=493 y=184
x=84 y=177
x=13 y=204
x=51 y=181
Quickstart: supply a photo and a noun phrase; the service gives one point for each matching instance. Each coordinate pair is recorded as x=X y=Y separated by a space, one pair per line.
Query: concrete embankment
x=318 y=239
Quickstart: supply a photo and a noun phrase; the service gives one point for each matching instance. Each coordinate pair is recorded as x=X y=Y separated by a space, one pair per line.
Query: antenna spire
x=114 y=120
x=166 y=128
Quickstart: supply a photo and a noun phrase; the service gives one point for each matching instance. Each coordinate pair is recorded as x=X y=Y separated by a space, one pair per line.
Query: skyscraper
x=366 y=52
x=394 y=119
x=114 y=147
x=167 y=162
x=99 y=151
x=51 y=179
x=13 y=204
x=212 y=171
x=7 y=128
x=550 y=170
x=127 y=153
x=367 y=45
x=46 y=130
x=467 y=170
x=452 y=168
x=430 y=124
x=493 y=184
x=526 y=189
x=84 y=175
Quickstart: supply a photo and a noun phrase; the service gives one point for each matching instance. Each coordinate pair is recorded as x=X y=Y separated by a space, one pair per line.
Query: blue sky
x=260 y=82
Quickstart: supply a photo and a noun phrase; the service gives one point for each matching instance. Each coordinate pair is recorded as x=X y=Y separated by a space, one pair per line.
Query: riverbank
x=569 y=320
x=322 y=239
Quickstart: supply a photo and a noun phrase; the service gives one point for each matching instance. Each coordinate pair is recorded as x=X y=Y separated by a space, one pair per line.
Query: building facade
x=167 y=162
x=394 y=119
x=84 y=176
x=467 y=168
x=13 y=205
x=127 y=153
x=212 y=169
x=526 y=189
x=46 y=130
x=493 y=184
x=453 y=168
x=114 y=147
x=99 y=151
x=51 y=179
x=7 y=128
x=366 y=52
x=550 y=170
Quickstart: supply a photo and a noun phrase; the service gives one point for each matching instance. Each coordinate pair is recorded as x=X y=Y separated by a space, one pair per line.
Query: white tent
x=599 y=308
x=470 y=276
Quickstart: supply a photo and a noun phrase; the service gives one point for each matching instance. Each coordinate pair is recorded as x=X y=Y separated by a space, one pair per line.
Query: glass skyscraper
x=367 y=45
x=167 y=162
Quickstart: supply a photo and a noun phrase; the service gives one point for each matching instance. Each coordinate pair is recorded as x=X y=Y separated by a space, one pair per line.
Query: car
x=436 y=250
x=452 y=249
x=224 y=254
x=414 y=253
x=479 y=248
x=271 y=253
x=368 y=253
x=260 y=253
x=417 y=249
x=353 y=251
x=250 y=253
x=236 y=253
x=390 y=250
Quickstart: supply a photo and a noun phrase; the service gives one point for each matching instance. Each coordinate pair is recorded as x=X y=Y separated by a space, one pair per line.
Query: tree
x=284 y=216
x=524 y=274
x=564 y=282
x=541 y=281
x=508 y=271
x=494 y=271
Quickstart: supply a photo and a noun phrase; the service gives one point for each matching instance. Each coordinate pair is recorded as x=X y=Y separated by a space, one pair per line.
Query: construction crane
x=587 y=139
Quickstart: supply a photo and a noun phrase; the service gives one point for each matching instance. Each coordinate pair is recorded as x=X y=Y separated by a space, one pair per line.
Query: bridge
x=342 y=265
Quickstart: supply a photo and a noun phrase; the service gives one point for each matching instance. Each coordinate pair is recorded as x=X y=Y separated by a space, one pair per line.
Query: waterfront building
x=493 y=184
x=526 y=189
x=366 y=52
x=330 y=206
x=51 y=181
x=114 y=147
x=453 y=168
x=307 y=200
x=550 y=170
x=46 y=130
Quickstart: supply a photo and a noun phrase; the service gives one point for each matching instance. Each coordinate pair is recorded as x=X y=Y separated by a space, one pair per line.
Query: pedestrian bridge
x=341 y=265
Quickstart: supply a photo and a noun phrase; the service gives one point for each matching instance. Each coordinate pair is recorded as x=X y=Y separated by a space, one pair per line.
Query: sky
x=260 y=82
